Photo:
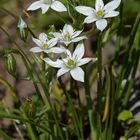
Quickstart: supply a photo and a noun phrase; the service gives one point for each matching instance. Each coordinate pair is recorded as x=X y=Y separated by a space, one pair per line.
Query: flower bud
x=10 y=63
x=22 y=29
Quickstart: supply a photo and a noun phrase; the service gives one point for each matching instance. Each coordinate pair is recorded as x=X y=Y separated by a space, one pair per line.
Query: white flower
x=45 y=45
x=21 y=24
x=68 y=35
x=71 y=63
x=100 y=13
x=46 y=4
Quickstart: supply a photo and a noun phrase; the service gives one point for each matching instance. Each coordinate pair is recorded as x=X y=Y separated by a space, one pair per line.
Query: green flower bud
x=10 y=64
x=22 y=29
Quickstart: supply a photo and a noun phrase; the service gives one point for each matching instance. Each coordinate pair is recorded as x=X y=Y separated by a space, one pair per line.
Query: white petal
x=62 y=71
x=112 y=5
x=57 y=64
x=21 y=24
x=45 y=8
x=35 y=5
x=85 y=10
x=57 y=35
x=55 y=50
x=52 y=42
x=70 y=29
x=111 y=14
x=68 y=53
x=90 y=18
x=66 y=42
x=43 y=37
x=77 y=74
x=79 y=51
x=36 y=49
x=101 y=24
x=37 y=41
x=84 y=61
x=76 y=33
x=99 y=4
x=77 y=39
x=58 y=6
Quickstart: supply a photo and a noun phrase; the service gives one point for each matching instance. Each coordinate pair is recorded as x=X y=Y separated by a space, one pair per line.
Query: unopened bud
x=22 y=29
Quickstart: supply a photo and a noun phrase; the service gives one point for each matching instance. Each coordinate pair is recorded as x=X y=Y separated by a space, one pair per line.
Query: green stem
x=99 y=65
x=73 y=111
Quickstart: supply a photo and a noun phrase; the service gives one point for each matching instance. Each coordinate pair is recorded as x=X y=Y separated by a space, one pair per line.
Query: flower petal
x=68 y=53
x=21 y=24
x=52 y=42
x=77 y=39
x=36 y=49
x=66 y=42
x=90 y=18
x=76 y=33
x=37 y=41
x=101 y=24
x=58 y=6
x=84 y=61
x=45 y=8
x=62 y=71
x=34 y=6
x=70 y=29
x=111 y=14
x=79 y=51
x=56 y=64
x=57 y=35
x=112 y=5
x=99 y=4
x=55 y=50
x=43 y=37
x=77 y=74
x=85 y=10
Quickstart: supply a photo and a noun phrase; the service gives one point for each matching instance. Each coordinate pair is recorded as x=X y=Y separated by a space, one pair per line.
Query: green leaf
x=4 y=135
x=123 y=138
x=125 y=115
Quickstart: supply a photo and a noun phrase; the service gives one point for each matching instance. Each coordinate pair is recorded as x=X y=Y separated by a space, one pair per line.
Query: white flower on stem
x=71 y=63
x=46 y=4
x=46 y=45
x=68 y=35
x=100 y=13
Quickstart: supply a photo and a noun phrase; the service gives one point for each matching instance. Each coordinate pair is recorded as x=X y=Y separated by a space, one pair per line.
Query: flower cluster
x=60 y=41
x=67 y=62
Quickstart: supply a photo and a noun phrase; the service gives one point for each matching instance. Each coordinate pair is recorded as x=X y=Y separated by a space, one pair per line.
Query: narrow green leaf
x=4 y=135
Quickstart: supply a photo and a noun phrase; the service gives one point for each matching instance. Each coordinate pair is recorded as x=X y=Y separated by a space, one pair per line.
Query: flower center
x=45 y=45
x=70 y=63
x=99 y=13
x=67 y=36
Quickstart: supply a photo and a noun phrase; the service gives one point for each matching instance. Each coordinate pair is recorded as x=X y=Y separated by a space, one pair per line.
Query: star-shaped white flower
x=46 y=45
x=68 y=35
x=100 y=13
x=71 y=63
x=46 y=4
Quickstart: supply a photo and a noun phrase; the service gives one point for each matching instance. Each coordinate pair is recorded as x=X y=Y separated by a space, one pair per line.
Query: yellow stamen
x=67 y=36
x=70 y=63
x=99 y=13
x=45 y=45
